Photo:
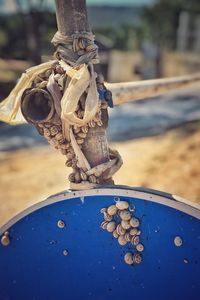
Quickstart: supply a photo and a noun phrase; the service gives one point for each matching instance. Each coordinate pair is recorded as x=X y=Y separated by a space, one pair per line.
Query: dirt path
x=169 y=163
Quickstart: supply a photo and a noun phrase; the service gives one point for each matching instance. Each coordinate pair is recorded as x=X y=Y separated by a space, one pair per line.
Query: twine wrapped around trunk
x=72 y=84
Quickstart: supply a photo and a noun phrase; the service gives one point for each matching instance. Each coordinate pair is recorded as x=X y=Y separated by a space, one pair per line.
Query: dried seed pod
x=96 y=119
x=120 y=230
x=135 y=240
x=76 y=47
x=84 y=129
x=47 y=132
x=37 y=80
x=71 y=177
x=133 y=231
x=76 y=129
x=92 y=179
x=121 y=240
x=103 y=210
x=137 y=258
x=82 y=135
x=104 y=105
x=104 y=224
x=62 y=141
x=139 y=247
x=63 y=151
x=5 y=240
x=54 y=130
x=107 y=217
x=77 y=177
x=99 y=123
x=115 y=234
x=69 y=155
x=121 y=205
x=64 y=146
x=125 y=215
x=125 y=224
x=111 y=226
x=112 y=210
x=74 y=165
x=127 y=237
x=80 y=113
x=128 y=258
x=59 y=136
x=90 y=48
x=91 y=124
x=71 y=150
x=42 y=84
x=68 y=162
x=47 y=125
x=83 y=176
x=99 y=106
x=80 y=141
x=54 y=142
x=48 y=73
x=81 y=44
x=134 y=222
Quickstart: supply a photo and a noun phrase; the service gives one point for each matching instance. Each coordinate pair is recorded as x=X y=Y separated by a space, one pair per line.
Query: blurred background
x=159 y=139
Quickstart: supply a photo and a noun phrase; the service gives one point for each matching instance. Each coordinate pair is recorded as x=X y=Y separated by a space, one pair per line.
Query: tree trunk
x=72 y=17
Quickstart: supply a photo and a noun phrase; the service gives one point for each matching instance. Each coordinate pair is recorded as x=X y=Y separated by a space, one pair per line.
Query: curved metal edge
x=178 y=203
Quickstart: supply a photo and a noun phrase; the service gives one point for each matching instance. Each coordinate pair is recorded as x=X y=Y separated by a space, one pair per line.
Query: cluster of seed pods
x=120 y=221
x=41 y=80
x=53 y=132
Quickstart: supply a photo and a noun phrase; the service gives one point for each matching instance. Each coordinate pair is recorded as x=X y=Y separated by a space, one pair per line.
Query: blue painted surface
x=33 y=265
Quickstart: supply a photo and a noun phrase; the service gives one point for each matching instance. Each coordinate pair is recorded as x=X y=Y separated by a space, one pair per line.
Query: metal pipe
x=132 y=91
x=37 y=106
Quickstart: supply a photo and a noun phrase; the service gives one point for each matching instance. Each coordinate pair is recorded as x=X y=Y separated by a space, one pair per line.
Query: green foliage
x=159 y=23
x=3 y=38
x=125 y=37
x=14 y=35
x=161 y=19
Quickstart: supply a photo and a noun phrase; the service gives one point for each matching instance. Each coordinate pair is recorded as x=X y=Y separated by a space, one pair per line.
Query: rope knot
x=77 y=49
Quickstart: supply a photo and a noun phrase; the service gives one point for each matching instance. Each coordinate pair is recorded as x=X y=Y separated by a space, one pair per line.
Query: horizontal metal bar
x=132 y=91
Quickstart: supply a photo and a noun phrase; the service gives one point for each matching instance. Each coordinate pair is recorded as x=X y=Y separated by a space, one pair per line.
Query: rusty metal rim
x=172 y=201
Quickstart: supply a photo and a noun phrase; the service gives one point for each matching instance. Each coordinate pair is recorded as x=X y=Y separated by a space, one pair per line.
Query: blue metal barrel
x=61 y=248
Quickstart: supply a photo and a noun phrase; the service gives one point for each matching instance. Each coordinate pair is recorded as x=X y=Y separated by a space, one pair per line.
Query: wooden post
x=72 y=17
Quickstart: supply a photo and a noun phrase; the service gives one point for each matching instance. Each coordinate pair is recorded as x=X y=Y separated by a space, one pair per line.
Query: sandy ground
x=169 y=163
